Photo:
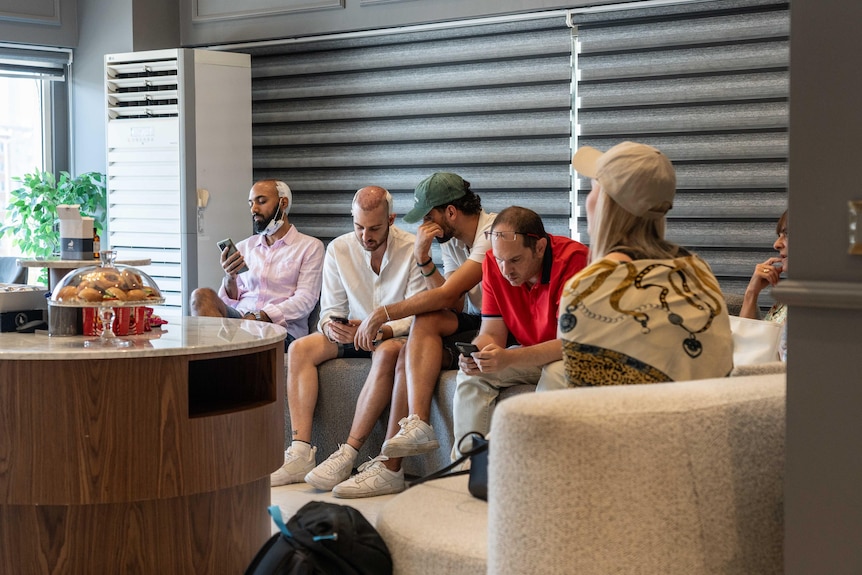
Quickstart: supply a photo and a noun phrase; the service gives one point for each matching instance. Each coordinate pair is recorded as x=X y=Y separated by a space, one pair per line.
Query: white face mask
x=275 y=223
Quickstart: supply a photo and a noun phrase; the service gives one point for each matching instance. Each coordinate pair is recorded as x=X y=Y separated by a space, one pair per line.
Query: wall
x=109 y=27
x=97 y=38
x=823 y=504
x=42 y=22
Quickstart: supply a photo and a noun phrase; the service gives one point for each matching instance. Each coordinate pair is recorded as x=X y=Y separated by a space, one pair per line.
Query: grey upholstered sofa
x=677 y=478
x=340 y=383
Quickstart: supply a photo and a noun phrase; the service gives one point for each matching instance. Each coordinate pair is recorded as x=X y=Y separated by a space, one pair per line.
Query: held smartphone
x=228 y=243
x=466 y=348
x=340 y=319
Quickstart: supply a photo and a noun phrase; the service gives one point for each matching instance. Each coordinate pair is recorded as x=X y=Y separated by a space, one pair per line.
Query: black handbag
x=477 y=484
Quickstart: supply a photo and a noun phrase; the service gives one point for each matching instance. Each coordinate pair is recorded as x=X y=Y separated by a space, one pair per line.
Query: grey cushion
x=341 y=381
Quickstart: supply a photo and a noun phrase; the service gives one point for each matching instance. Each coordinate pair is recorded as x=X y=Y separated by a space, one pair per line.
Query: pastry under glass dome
x=106 y=286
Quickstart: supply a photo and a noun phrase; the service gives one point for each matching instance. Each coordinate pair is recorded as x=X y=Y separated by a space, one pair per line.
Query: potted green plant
x=31 y=212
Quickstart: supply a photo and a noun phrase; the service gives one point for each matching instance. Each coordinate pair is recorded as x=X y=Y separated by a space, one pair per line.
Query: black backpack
x=322 y=538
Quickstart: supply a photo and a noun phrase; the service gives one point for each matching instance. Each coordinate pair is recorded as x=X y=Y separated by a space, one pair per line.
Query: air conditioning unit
x=179 y=163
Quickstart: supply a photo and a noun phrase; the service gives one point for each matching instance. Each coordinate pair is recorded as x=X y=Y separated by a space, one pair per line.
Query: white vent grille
x=179 y=120
x=146 y=89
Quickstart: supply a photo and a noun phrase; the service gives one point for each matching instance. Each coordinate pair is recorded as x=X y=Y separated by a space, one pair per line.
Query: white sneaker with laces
x=414 y=437
x=298 y=460
x=334 y=470
x=373 y=479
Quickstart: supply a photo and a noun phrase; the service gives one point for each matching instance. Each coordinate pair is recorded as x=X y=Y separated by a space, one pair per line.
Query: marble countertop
x=188 y=336
x=74 y=264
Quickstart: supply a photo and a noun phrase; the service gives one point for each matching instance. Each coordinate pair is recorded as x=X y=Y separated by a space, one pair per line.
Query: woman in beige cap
x=645 y=310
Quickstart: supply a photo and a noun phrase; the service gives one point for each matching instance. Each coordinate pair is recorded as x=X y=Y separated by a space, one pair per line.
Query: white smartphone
x=228 y=243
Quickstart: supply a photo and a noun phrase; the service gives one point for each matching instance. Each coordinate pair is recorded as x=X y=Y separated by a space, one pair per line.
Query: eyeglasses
x=507 y=236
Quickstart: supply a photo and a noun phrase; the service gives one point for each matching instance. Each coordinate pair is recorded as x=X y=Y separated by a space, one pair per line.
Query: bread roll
x=108 y=279
x=90 y=294
x=68 y=293
x=117 y=293
x=136 y=294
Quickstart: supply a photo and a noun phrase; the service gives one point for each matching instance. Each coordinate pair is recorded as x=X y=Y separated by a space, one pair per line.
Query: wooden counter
x=149 y=459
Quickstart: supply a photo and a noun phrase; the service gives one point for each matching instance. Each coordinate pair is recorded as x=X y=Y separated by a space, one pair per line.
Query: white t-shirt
x=455 y=253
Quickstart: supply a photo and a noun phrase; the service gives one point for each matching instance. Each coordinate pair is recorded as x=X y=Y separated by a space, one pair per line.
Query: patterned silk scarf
x=644 y=321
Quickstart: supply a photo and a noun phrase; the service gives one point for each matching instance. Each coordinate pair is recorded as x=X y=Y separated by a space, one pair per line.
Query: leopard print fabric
x=588 y=365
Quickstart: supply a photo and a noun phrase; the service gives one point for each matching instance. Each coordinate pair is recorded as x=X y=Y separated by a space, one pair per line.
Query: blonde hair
x=615 y=228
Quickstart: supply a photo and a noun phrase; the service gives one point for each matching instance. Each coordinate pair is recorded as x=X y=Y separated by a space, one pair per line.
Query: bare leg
x=205 y=302
x=398 y=405
x=377 y=391
x=415 y=377
x=303 y=357
x=424 y=355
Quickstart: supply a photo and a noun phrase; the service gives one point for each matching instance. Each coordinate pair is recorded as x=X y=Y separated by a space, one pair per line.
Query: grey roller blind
x=707 y=83
x=490 y=102
x=26 y=62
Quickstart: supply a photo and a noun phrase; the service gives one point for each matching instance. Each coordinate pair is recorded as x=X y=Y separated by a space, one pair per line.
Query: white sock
x=300 y=447
x=353 y=451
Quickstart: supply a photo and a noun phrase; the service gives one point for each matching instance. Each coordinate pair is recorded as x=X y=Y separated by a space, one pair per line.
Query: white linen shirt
x=455 y=253
x=351 y=288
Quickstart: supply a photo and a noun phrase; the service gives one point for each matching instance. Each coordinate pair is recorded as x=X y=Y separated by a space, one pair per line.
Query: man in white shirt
x=452 y=214
x=369 y=267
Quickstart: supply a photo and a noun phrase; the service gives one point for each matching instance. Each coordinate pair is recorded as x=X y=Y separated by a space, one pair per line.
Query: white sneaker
x=373 y=479
x=415 y=437
x=334 y=470
x=297 y=462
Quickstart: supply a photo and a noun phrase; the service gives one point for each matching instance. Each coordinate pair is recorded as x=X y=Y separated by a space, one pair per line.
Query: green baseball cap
x=437 y=189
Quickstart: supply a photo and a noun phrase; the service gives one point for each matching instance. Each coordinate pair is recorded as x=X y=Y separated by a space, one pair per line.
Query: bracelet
x=386 y=311
x=429 y=274
x=430 y=259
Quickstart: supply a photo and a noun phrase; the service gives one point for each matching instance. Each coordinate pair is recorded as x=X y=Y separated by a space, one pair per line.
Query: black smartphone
x=465 y=348
x=339 y=319
x=228 y=243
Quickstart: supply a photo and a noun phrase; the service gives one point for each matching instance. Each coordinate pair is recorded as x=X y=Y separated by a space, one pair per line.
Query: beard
x=448 y=233
x=374 y=244
x=260 y=225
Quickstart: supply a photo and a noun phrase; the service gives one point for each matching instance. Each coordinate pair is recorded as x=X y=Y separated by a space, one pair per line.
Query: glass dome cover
x=106 y=285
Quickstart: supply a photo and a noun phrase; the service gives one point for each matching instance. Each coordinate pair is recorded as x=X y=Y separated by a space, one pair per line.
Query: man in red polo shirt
x=522 y=280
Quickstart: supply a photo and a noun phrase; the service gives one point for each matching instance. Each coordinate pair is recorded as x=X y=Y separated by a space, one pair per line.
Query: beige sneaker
x=298 y=460
x=334 y=470
x=414 y=437
x=373 y=479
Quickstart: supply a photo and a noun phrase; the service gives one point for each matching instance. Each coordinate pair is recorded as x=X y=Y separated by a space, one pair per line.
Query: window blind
x=708 y=84
x=491 y=102
x=42 y=64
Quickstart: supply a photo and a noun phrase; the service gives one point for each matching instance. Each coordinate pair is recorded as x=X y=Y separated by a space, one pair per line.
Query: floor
x=291 y=497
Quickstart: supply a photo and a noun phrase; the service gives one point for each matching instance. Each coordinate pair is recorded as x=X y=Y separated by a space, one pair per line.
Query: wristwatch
x=258 y=315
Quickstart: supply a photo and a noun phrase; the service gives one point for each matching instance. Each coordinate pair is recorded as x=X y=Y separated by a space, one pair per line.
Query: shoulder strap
x=478 y=447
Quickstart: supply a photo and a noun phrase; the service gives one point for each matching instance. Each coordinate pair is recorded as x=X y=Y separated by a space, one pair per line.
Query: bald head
x=275 y=189
x=370 y=198
x=372 y=216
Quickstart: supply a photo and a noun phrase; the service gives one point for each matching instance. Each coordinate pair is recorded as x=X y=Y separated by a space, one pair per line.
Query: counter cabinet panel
x=139 y=463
